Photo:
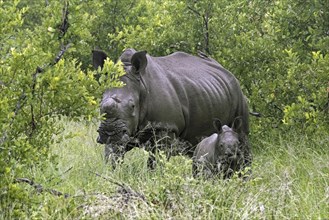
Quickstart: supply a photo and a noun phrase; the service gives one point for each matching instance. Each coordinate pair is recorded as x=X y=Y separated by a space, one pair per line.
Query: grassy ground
x=290 y=180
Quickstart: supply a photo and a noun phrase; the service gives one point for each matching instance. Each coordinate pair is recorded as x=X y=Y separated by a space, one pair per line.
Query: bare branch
x=206 y=32
x=39 y=188
x=65 y=20
x=328 y=98
x=108 y=179
x=124 y=189
x=61 y=53
x=194 y=11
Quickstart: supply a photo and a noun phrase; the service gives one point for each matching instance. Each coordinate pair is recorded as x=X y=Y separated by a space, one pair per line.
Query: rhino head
x=228 y=147
x=121 y=106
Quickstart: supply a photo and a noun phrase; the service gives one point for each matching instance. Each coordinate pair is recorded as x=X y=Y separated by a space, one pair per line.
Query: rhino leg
x=149 y=146
x=161 y=140
x=247 y=157
x=153 y=149
x=198 y=169
x=151 y=161
x=201 y=167
x=242 y=164
x=113 y=155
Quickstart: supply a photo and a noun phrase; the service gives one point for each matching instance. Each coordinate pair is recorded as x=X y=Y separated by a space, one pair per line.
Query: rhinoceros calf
x=176 y=95
x=220 y=153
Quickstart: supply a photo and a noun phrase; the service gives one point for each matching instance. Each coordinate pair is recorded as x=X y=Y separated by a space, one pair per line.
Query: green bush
x=41 y=80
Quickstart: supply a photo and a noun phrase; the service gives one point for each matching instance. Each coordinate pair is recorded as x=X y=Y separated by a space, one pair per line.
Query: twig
x=65 y=21
x=328 y=97
x=205 y=19
x=66 y=171
x=108 y=179
x=194 y=11
x=124 y=189
x=61 y=53
x=39 y=188
x=206 y=32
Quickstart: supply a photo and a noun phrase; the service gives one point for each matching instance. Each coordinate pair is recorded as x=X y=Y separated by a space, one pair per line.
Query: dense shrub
x=41 y=79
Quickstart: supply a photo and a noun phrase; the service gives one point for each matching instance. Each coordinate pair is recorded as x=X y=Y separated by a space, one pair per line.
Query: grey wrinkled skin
x=178 y=95
x=220 y=153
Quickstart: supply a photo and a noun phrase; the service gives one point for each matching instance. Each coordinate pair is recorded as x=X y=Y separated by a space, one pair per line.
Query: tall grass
x=290 y=180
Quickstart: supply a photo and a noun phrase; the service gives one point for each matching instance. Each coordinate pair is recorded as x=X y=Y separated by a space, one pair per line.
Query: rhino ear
x=217 y=125
x=237 y=124
x=139 y=61
x=99 y=57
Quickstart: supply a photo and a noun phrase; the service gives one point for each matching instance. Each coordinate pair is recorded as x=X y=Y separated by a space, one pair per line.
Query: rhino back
x=186 y=92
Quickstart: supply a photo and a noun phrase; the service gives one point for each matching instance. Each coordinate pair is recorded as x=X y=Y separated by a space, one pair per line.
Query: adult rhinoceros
x=179 y=93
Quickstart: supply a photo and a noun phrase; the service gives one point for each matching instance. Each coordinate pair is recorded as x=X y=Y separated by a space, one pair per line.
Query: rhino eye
x=131 y=104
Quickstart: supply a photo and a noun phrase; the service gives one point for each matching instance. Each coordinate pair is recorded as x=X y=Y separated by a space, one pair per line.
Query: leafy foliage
x=38 y=84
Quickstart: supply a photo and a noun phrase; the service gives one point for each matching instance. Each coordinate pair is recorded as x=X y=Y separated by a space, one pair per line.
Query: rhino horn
x=108 y=104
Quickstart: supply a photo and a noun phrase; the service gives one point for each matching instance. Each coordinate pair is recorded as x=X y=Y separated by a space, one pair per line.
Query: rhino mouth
x=229 y=164
x=112 y=131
